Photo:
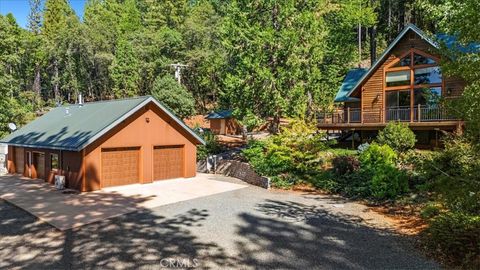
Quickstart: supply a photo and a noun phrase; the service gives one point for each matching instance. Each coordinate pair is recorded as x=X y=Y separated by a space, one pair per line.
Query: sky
x=21 y=8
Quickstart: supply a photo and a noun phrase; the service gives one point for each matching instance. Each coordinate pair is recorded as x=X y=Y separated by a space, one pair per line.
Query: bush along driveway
x=248 y=228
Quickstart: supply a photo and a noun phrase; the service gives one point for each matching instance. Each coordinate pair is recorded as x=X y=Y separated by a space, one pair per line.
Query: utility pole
x=178 y=71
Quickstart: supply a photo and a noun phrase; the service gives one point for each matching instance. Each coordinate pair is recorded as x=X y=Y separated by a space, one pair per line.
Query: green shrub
x=267 y=159
x=345 y=165
x=174 y=96
x=325 y=180
x=386 y=181
x=354 y=185
x=456 y=237
x=297 y=150
x=398 y=136
x=248 y=119
x=430 y=210
x=283 y=181
x=211 y=146
x=454 y=175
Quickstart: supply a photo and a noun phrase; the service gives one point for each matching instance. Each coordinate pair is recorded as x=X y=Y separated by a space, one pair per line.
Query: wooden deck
x=443 y=125
x=419 y=118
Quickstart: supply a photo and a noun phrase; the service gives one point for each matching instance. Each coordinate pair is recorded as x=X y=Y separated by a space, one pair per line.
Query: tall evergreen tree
x=57 y=19
x=125 y=70
x=203 y=53
x=273 y=53
x=460 y=19
x=10 y=74
x=35 y=25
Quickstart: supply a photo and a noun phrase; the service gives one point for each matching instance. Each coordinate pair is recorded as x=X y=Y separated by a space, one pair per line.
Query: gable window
x=404 y=62
x=419 y=59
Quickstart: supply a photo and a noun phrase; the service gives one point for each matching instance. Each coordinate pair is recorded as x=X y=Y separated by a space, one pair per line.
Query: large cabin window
x=398 y=104
x=427 y=96
x=398 y=78
x=429 y=75
x=413 y=79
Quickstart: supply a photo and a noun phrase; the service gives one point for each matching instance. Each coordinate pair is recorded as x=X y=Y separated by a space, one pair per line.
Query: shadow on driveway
x=273 y=234
x=292 y=235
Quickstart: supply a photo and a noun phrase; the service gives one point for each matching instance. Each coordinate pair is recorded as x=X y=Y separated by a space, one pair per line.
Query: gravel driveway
x=249 y=228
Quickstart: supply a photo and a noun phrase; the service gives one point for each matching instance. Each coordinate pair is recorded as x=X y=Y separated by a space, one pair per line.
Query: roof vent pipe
x=80 y=100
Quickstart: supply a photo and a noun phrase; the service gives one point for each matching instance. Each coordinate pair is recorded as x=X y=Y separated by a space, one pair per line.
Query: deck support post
x=348 y=115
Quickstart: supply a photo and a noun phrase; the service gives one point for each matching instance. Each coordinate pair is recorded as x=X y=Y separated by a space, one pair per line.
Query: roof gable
x=74 y=127
x=387 y=52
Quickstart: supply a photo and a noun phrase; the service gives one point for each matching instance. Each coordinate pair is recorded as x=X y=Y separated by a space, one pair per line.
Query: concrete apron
x=66 y=211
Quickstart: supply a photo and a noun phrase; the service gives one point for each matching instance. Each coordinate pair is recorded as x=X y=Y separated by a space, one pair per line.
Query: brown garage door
x=19 y=160
x=168 y=162
x=120 y=166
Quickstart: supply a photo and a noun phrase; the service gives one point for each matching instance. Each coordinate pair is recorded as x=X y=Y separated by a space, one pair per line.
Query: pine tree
x=273 y=53
x=35 y=25
x=125 y=70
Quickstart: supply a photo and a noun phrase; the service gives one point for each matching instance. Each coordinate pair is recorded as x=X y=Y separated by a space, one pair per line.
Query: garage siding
x=147 y=128
x=168 y=162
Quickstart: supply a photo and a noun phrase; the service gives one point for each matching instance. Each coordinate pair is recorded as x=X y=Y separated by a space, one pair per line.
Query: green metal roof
x=349 y=82
x=220 y=114
x=73 y=127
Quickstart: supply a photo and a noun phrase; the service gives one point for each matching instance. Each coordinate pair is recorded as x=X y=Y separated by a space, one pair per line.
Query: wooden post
x=348 y=115
x=419 y=116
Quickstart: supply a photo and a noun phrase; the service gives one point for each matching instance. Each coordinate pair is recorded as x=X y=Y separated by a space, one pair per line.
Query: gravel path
x=249 y=228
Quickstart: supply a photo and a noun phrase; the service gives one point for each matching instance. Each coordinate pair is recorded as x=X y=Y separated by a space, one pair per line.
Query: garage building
x=106 y=143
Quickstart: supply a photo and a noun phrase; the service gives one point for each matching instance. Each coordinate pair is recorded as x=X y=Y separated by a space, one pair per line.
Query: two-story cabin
x=405 y=84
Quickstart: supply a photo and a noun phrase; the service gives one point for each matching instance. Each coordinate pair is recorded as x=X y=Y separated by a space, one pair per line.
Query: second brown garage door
x=168 y=162
x=120 y=166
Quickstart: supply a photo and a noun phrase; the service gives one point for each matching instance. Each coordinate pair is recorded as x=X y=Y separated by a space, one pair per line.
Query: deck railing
x=419 y=113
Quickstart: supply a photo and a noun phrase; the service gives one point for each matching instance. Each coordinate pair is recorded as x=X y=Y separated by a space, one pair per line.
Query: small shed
x=222 y=122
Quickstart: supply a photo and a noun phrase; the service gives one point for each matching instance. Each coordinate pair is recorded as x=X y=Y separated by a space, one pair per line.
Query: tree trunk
x=55 y=81
x=275 y=127
x=309 y=112
x=37 y=81
x=373 y=45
